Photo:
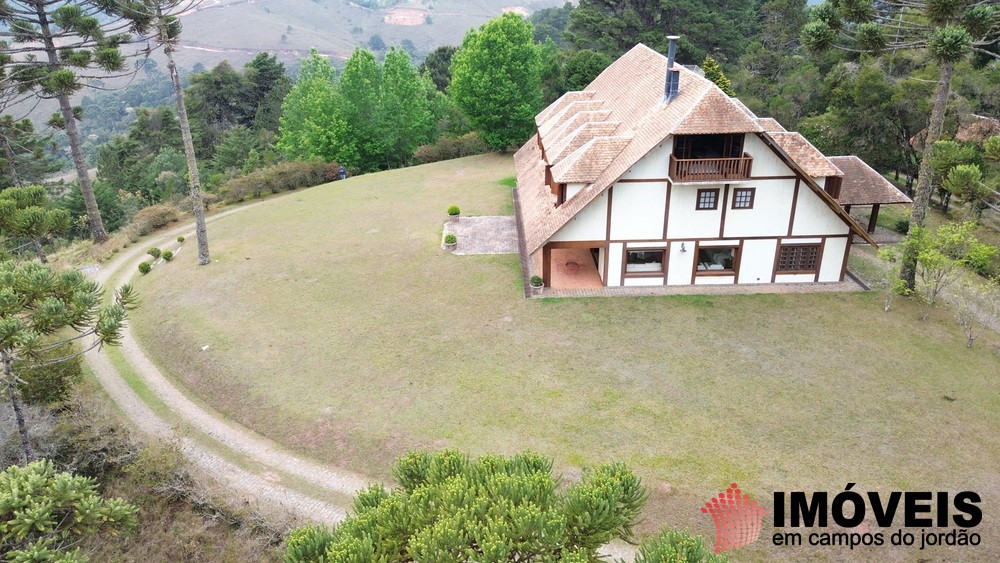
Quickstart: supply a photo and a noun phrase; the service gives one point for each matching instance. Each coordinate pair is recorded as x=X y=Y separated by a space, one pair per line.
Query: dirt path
x=245 y=486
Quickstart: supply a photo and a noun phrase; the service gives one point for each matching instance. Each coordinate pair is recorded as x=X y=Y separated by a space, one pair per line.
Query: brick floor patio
x=844 y=286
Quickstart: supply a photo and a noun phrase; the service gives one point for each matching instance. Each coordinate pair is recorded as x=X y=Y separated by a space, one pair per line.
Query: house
x=653 y=176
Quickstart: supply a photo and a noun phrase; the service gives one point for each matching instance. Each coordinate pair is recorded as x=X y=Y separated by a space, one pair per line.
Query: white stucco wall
x=772 y=208
x=794 y=278
x=589 y=224
x=833 y=259
x=687 y=222
x=814 y=217
x=615 y=264
x=765 y=162
x=655 y=165
x=637 y=210
x=602 y=255
x=679 y=268
x=713 y=280
x=757 y=261
x=573 y=189
x=638 y=282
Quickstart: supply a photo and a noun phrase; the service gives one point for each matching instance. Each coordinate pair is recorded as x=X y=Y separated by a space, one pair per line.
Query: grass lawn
x=335 y=324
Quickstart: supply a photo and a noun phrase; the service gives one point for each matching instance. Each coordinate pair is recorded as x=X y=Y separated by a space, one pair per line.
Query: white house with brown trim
x=653 y=176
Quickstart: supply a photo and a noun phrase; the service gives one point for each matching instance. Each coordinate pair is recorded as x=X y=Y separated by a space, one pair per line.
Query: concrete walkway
x=484 y=235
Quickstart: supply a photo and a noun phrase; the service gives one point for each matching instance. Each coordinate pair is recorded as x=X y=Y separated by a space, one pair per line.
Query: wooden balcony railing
x=708 y=169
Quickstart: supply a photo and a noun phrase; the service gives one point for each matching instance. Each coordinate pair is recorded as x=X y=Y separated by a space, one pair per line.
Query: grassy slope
x=336 y=325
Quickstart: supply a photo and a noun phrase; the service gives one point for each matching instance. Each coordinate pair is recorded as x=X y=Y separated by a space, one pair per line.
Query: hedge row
x=277 y=178
x=448 y=147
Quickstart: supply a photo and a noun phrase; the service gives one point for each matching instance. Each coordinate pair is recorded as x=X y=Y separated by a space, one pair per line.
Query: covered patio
x=573 y=268
x=863 y=186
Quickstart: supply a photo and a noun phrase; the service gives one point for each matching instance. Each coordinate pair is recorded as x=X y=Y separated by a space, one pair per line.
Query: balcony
x=710 y=169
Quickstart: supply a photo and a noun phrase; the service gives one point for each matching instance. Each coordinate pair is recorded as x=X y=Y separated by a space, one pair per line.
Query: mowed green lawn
x=335 y=324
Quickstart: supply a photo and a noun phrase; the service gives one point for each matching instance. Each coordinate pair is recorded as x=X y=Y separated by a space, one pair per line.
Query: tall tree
x=26 y=213
x=948 y=31
x=37 y=303
x=713 y=72
x=54 y=47
x=405 y=107
x=312 y=120
x=723 y=27
x=168 y=33
x=496 y=80
x=27 y=156
x=583 y=66
x=360 y=97
x=437 y=65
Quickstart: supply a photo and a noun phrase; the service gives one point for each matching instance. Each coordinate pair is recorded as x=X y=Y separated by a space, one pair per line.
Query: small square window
x=798 y=258
x=743 y=198
x=644 y=262
x=708 y=199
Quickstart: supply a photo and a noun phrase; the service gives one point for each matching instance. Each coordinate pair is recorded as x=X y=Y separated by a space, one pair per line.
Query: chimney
x=672 y=88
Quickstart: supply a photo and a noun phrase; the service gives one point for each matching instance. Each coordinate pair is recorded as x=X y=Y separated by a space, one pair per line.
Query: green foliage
x=27 y=155
x=405 y=107
x=537 y=281
x=583 y=66
x=44 y=515
x=496 y=81
x=453 y=210
x=950 y=44
x=145 y=268
x=42 y=384
x=154 y=252
x=180 y=239
x=454 y=508
x=27 y=213
x=277 y=178
x=449 y=147
x=713 y=72
x=966 y=181
x=671 y=546
x=437 y=66
x=154 y=217
x=168 y=255
x=450 y=239
x=313 y=126
x=902 y=226
x=983 y=259
x=551 y=23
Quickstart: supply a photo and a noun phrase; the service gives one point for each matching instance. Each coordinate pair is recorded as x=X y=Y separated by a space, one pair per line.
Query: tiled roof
x=770 y=125
x=863 y=185
x=587 y=162
x=805 y=154
x=628 y=95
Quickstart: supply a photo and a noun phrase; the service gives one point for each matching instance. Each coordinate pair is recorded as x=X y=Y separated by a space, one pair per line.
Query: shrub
x=42 y=384
x=449 y=146
x=673 y=545
x=168 y=255
x=902 y=226
x=144 y=267
x=537 y=281
x=454 y=210
x=154 y=252
x=153 y=217
x=981 y=258
x=450 y=239
x=208 y=199
x=277 y=178
x=180 y=239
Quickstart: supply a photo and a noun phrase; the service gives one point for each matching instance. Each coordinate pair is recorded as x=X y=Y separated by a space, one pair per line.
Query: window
x=743 y=198
x=798 y=258
x=717 y=259
x=644 y=262
x=708 y=199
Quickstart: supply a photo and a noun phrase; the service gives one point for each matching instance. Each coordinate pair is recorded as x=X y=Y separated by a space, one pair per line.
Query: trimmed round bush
x=537 y=281
x=144 y=268
x=180 y=239
x=154 y=252
x=168 y=255
x=454 y=210
x=450 y=239
x=902 y=226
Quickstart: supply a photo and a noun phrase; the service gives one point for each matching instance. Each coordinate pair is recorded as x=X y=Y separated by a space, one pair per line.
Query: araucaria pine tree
x=713 y=72
x=36 y=305
x=53 y=48
x=946 y=30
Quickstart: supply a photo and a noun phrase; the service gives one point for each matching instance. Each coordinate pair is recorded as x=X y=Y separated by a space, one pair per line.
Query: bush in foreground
x=154 y=252
x=168 y=255
x=145 y=268
x=450 y=507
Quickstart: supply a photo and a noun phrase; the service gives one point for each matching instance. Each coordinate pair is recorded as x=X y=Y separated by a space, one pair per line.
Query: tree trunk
x=39 y=251
x=11 y=161
x=89 y=201
x=194 y=179
x=22 y=426
x=922 y=199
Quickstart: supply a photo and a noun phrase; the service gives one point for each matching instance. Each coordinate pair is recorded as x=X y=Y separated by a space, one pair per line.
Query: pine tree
x=27 y=156
x=53 y=48
x=27 y=213
x=713 y=72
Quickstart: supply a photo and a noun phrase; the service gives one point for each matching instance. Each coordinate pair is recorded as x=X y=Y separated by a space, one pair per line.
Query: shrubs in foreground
x=277 y=178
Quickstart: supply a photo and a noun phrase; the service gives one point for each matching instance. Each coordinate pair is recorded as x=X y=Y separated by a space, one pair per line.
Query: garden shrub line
x=277 y=178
